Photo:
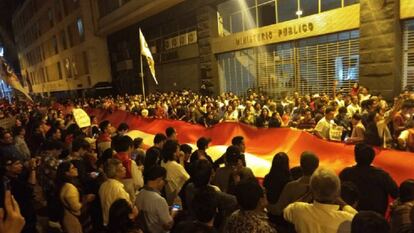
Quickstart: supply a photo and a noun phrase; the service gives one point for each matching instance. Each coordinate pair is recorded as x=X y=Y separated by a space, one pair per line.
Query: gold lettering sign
x=337 y=20
x=296 y=29
x=254 y=38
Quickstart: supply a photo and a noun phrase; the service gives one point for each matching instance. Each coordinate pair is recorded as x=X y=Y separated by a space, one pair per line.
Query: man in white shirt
x=324 y=125
x=328 y=213
x=353 y=107
x=112 y=189
x=340 y=100
x=154 y=207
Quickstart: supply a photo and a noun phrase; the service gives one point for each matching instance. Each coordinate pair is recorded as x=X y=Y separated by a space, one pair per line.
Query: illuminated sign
x=269 y=35
x=341 y=19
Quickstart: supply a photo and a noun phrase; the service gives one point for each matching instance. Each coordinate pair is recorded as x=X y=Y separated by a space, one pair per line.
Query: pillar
x=380 y=46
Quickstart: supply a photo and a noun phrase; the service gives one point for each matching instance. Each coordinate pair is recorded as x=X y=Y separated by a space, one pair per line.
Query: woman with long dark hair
x=69 y=196
x=122 y=218
x=262 y=121
x=68 y=193
x=278 y=176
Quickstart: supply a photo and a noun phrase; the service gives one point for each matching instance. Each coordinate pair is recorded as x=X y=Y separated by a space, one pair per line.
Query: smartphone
x=94 y=174
x=175 y=207
x=5 y=186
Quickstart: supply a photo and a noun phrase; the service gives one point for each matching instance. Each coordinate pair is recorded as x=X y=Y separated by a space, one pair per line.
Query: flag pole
x=142 y=77
x=142 y=70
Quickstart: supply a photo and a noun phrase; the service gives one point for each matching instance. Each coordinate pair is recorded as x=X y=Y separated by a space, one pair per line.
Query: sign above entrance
x=279 y=33
x=337 y=20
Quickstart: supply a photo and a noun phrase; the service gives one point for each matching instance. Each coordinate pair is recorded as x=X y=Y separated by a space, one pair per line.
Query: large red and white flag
x=262 y=144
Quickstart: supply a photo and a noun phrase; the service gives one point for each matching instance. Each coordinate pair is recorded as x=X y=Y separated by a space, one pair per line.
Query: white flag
x=8 y=75
x=145 y=51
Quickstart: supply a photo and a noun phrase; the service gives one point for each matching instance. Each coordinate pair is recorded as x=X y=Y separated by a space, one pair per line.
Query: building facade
x=275 y=46
x=58 y=49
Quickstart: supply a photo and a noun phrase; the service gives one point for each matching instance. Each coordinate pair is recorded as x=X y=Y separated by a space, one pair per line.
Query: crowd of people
x=98 y=179
x=351 y=117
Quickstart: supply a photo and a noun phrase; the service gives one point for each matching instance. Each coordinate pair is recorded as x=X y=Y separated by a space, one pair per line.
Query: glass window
x=1 y=51
x=344 y=36
x=267 y=15
x=229 y=7
x=236 y=23
x=330 y=4
x=249 y=19
x=85 y=62
x=309 y=7
x=63 y=39
x=355 y=34
x=50 y=17
x=226 y=25
x=59 y=70
x=286 y=10
x=265 y=1
x=350 y=2
x=248 y=3
x=54 y=45
x=81 y=30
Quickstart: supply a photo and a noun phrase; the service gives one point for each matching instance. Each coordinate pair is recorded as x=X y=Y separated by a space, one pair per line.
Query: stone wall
x=206 y=30
x=380 y=46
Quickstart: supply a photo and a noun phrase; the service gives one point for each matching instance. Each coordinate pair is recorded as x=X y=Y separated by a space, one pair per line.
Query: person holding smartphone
x=158 y=216
x=11 y=220
x=21 y=187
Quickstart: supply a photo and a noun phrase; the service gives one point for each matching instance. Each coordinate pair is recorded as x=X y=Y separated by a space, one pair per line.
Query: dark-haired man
x=104 y=140
x=157 y=213
x=133 y=179
x=374 y=184
x=171 y=133
x=200 y=182
x=7 y=145
x=369 y=222
x=120 y=132
x=296 y=189
x=236 y=141
x=325 y=124
x=21 y=183
x=204 y=206
x=153 y=154
x=200 y=153
x=228 y=176
x=251 y=216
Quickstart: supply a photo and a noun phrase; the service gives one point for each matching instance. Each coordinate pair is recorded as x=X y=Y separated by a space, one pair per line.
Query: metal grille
x=276 y=68
x=307 y=66
x=322 y=61
x=239 y=68
x=408 y=54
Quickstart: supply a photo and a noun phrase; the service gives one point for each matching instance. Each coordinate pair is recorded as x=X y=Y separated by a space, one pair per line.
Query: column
x=380 y=46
